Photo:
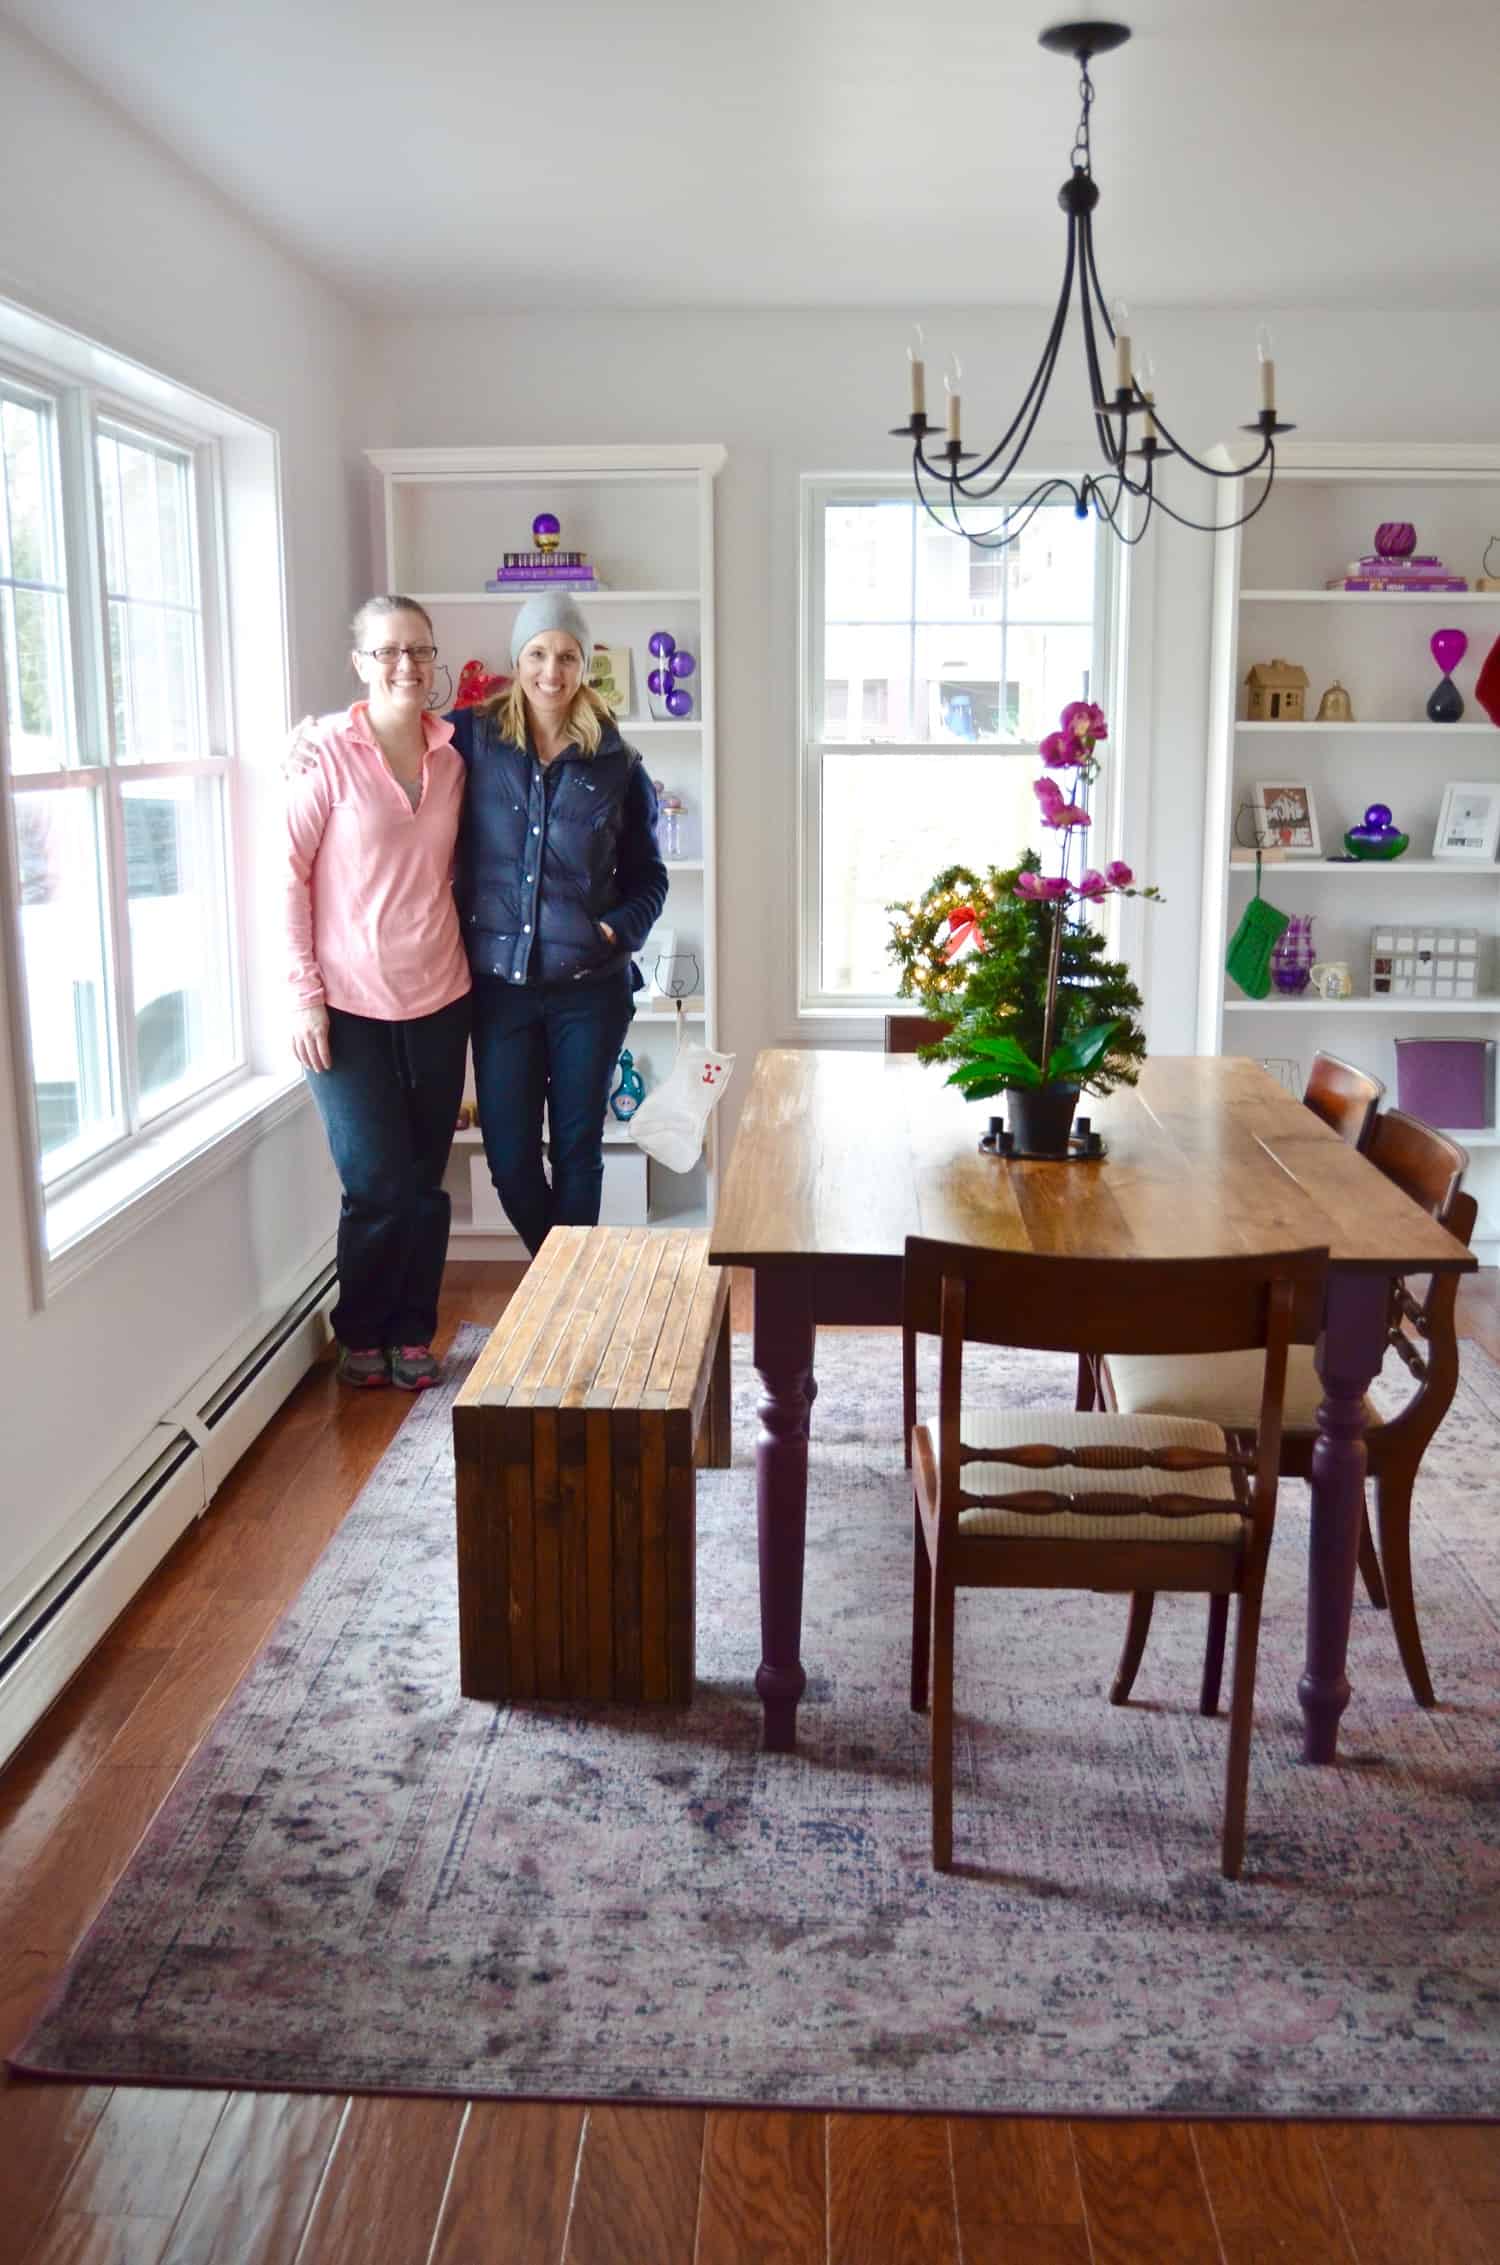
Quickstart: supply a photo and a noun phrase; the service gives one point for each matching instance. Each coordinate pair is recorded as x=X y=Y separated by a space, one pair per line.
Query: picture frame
x=1468 y=826
x=609 y=674
x=1286 y=817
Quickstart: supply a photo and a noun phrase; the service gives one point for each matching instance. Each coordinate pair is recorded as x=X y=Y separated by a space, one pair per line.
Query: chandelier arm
x=1036 y=392
x=1090 y=293
x=1212 y=471
x=1224 y=526
x=1016 y=521
x=1107 y=511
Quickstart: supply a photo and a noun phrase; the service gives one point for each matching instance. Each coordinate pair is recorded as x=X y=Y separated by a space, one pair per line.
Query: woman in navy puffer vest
x=559 y=879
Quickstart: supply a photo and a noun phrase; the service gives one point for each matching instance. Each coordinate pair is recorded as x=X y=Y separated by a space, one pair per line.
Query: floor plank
x=44 y=2129
x=1016 y=2187
x=48 y=1898
x=512 y=2184
x=169 y=1723
x=764 y=2194
x=257 y=2181
x=637 y=2191
x=384 y=2184
x=1395 y=2199
x=1269 y=2193
x=72 y=2239
x=1143 y=2194
x=890 y=2190
x=143 y=2154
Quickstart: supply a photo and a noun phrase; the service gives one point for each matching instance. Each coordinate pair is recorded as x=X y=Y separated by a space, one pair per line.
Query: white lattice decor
x=1425 y=963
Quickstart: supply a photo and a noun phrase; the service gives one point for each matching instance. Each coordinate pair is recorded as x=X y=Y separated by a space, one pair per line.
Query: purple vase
x=1292 y=955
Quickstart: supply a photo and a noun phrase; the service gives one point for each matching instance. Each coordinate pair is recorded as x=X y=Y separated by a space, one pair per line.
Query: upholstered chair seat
x=1015 y=1427
x=1220 y=1388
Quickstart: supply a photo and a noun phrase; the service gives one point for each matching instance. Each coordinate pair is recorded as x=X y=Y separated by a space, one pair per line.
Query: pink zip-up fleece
x=370 y=920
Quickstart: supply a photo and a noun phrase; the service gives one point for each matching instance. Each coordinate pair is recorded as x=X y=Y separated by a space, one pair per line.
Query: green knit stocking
x=1249 y=956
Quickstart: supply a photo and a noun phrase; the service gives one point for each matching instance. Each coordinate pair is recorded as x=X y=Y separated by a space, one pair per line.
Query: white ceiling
x=815 y=153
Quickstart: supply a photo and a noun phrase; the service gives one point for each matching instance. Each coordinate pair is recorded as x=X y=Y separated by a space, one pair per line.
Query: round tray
x=1083 y=1148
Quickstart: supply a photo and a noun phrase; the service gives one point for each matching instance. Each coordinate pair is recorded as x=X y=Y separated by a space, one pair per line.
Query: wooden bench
x=576 y=1438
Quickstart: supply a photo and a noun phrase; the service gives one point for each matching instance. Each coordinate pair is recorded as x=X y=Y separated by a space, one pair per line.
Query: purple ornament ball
x=546 y=527
x=1378 y=816
x=679 y=703
x=683 y=664
x=656 y=681
x=662 y=643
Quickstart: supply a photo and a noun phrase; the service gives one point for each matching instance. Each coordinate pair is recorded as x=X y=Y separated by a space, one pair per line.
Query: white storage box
x=1425 y=963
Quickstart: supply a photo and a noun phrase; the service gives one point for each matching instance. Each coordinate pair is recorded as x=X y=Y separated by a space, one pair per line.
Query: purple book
x=1411 y=583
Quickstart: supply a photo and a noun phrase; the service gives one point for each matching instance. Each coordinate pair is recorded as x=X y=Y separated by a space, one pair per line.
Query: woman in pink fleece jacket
x=380 y=986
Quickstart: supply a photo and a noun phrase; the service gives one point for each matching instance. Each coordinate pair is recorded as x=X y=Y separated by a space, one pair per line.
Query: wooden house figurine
x=1277 y=692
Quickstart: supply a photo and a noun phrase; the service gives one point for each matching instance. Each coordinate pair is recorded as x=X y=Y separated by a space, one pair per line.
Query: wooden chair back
x=1344 y=1097
x=1087 y=1306
x=1429 y=1167
x=905 y=1033
x=1425 y=1164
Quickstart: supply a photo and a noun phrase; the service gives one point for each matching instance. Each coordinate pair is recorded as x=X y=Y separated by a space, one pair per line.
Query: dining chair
x=1421 y=1332
x=1344 y=1097
x=903 y=1035
x=1139 y=1502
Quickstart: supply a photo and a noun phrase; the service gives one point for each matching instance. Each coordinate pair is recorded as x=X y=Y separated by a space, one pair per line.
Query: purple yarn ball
x=682 y=664
x=679 y=703
x=662 y=643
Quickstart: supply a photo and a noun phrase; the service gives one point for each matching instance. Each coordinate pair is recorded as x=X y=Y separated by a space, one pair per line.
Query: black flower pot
x=1040 y=1121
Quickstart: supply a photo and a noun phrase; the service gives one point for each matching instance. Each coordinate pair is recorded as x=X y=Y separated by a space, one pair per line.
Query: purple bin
x=1447 y=1081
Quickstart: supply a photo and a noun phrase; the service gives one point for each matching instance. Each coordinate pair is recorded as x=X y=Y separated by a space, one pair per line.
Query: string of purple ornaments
x=665 y=682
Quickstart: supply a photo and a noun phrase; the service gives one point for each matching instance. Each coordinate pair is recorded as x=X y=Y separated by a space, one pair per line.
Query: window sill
x=126 y=1194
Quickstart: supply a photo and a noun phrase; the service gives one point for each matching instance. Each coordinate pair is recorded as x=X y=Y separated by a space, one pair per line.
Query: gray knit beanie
x=552 y=609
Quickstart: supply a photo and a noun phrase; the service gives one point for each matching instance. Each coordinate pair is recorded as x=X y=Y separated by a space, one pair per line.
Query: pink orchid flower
x=1043 y=888
x=1048 y=793
x=1085 y=720
x=1092 y=886
x=1059 y=752
x=1118 y=874
x=1061 y=815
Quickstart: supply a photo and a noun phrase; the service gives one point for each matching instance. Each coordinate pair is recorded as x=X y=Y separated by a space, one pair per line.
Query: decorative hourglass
x=1445 y=703
x=664 y=682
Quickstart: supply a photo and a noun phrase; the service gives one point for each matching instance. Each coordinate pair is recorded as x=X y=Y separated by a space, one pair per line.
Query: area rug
x=364 y=1882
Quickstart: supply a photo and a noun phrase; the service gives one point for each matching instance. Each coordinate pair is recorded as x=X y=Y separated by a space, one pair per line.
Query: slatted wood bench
x=576 y=1438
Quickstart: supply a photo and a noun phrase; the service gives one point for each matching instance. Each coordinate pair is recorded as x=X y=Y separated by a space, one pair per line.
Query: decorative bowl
x=1381 y=849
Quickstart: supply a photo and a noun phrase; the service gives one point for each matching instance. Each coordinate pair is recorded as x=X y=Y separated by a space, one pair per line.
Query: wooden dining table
x=840 y=1156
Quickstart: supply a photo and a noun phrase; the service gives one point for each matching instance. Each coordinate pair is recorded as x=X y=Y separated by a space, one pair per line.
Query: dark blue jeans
x=552 y=1045
x=389 y=1105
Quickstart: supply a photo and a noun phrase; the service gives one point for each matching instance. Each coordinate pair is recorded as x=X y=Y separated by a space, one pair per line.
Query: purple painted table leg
x=783 y=1361
x=1349 y=1355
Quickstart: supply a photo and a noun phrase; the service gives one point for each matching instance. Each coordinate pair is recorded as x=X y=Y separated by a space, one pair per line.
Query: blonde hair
x=586 y=718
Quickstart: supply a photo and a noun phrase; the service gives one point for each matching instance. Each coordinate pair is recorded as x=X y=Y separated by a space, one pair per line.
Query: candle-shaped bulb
x=918 y=372
x=951 y=379
x=1119 y=317
x=1263 y=351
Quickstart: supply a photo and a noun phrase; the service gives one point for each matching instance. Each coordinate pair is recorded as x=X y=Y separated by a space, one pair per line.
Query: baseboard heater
x=125 y=1531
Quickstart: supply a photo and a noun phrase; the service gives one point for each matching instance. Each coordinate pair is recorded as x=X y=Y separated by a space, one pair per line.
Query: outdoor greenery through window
x=935 y=669
x=117 y=773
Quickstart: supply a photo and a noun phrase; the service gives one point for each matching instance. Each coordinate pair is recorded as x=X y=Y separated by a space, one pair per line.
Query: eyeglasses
x=385 y=654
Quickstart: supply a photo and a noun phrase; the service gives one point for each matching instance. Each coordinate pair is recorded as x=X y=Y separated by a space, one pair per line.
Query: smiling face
x=396 y=661
x=550 y=669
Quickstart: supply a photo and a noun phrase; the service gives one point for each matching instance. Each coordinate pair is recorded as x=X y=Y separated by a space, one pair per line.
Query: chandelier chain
x=1083 y=155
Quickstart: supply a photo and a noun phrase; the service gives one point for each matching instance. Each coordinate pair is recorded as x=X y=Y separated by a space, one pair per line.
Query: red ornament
x=475 y=683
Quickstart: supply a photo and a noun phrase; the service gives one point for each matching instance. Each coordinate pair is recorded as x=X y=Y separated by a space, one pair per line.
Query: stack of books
x=1419 y=572
x=545 y=570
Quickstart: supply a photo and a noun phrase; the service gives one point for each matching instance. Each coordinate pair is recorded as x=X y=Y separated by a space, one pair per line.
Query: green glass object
x=1375 y=837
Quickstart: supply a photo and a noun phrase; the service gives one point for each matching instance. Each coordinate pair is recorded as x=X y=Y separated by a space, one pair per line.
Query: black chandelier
x=1125 y=495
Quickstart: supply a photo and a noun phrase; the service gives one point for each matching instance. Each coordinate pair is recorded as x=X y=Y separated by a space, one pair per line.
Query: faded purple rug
x=363 y=1882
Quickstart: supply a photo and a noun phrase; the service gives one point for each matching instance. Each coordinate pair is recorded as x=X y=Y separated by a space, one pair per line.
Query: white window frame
x=79 y=1215
x=814 y=1003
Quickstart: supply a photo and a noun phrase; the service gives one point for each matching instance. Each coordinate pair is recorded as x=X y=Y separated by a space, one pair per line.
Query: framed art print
x=1469 y=821
x=1286 y=819
x=609 y=674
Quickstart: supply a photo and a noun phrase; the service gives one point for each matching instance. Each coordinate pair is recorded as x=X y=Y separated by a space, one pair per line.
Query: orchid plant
x=1032 y=1000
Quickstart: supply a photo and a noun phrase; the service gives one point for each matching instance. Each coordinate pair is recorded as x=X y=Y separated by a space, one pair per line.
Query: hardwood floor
x=91 y=2175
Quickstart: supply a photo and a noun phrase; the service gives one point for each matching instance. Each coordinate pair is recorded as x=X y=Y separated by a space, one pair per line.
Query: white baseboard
x=124 y=1532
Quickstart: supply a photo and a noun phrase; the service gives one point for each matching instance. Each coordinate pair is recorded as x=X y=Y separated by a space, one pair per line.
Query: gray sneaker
x=361 y=1369
x=413 y=1368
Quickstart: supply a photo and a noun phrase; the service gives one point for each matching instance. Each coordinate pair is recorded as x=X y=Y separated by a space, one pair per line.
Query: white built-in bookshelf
x=645 y=517
x=1270 y=603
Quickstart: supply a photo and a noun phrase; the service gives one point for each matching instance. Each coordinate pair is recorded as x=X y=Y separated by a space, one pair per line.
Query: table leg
x=1349 y=1355
x=783 y=1361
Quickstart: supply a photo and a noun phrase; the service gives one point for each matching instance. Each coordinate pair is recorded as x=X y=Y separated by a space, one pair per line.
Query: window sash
x=211 y=1009
x=817 y=746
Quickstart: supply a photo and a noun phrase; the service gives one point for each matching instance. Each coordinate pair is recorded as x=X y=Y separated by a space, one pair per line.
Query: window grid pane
x=177 y=893
x=33 y=588
x=155 y=623
x=64 y=958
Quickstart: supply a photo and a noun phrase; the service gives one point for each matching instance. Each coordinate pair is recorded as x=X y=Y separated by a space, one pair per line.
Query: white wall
x=101 y=231
x=790 y=393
